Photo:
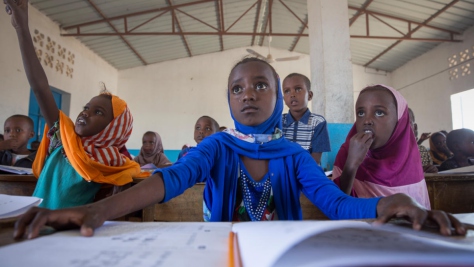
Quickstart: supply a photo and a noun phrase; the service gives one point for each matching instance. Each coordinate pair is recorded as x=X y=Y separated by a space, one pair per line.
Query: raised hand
x=18 y=9
x=423 y=137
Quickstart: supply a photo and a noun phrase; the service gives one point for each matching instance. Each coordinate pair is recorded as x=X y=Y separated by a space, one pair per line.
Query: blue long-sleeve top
x=290 y=175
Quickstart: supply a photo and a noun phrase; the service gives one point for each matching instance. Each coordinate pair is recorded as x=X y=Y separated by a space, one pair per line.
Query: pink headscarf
x=157 y=157
x=395 y=164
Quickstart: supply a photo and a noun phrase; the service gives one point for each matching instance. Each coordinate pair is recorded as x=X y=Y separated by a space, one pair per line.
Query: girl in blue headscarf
x=252 y=173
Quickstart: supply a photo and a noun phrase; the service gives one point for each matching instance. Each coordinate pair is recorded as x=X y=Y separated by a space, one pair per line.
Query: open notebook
x=280 y=243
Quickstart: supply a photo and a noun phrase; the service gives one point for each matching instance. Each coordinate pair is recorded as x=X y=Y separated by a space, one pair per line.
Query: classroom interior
x=168 y=97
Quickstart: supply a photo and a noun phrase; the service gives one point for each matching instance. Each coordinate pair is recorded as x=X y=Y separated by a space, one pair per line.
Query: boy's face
x=252 y=93
x=439 y=141
x=376 y=114
x=19 y=131
x=295 y=93
x=203 y=128
x=148 y=144
x=95 y=116
x=468 y=145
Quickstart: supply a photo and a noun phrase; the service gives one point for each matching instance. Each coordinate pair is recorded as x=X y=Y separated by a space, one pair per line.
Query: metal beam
x=359 y=12
x=183 y=38
x=115 y=29
x=420 y=25
x=221 y=22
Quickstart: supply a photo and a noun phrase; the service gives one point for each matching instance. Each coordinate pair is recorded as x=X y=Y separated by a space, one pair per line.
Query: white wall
x=425 y=83
x=363 y=77
x=89 y=69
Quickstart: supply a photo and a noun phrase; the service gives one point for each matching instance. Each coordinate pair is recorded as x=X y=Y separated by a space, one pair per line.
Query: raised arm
x=358 y=148
x=89 y=217
x=34 y=71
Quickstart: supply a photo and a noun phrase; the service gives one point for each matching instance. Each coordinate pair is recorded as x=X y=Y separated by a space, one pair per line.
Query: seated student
x=1 y=137
x=74 y=158
x=300 y=125
x=439 y=151
x=152 y=151
x=426 y=160
x=34 y=145
x=204 y=127
x=461 y=143
x=257 y=174
x=222 y=128
x=380 y=156
x=18 y=130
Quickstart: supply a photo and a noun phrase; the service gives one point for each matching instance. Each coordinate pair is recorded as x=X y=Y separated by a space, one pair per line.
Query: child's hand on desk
x=87 y=218
x=403 y=206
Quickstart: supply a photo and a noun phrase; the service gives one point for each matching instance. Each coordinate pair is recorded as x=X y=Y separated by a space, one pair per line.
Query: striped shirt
x=310 y=131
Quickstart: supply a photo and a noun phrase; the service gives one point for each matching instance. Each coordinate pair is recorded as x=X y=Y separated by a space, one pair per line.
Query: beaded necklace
x=253 y=191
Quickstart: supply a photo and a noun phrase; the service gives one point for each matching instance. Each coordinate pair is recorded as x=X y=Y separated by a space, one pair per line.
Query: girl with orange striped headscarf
x=75 y=159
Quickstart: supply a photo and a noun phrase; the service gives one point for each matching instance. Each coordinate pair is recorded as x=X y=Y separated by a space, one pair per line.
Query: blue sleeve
x=327 y=196
x=320 y=138
x=188 y=171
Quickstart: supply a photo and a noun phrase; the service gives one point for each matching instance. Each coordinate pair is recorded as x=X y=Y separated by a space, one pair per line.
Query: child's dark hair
x=24 y=117
x=456 y=137
x=256 y=59
x=307 y=82
x=213 y=121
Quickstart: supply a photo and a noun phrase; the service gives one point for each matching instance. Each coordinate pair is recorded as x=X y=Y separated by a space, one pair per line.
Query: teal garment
x=60 y=186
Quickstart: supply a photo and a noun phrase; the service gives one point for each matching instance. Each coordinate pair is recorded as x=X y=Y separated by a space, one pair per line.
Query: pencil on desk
x=234 y=255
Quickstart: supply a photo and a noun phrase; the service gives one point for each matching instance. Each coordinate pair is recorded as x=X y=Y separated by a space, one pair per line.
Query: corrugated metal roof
x=131 y=33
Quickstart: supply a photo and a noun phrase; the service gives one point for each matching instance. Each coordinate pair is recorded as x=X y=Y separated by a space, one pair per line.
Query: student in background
x=461 y=143
x=1 y=137
x=426 y=160
x=204 y=127
x=380 y=156
x=152 y=151
x=222 y=128
x=300 y=125
x=439 y=151
x=257 y=174
x=34 y=145
x=74 y=158
x=18 y=129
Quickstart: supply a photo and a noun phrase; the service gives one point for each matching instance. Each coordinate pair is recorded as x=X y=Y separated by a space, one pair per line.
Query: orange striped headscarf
x=96 y=158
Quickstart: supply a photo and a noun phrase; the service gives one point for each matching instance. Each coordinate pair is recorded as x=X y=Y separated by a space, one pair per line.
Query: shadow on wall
x=337 y=136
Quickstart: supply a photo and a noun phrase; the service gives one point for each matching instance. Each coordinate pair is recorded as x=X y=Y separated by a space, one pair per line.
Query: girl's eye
x=286 y=91
x=379 y=113
x=18 y=130
x=98 y=112
x=85 y=108
x=208 y=129
x=236 y=89
x=7 y=131
x=360 y=113
x=261 y=86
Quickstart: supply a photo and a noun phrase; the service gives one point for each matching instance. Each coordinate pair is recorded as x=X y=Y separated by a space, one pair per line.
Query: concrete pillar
x=331 y=70
x=330 y=60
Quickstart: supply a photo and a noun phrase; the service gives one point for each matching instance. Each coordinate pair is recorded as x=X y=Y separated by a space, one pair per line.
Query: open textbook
x=279 y=243
x=13 y=206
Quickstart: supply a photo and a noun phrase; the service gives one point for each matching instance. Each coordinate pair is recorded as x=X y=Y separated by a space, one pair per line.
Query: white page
x=12 y=206
x=467 y=169
x=16 y=170
x=273 y=239
x=126 y=244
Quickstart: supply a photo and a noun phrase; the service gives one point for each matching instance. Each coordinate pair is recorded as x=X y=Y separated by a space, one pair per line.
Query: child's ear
x=310 y=95
x=32 y=134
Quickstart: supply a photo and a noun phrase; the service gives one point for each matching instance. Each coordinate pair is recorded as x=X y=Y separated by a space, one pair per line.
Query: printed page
x=12 y=206
x=346 y=243
x=126 y=244
x=468 y=169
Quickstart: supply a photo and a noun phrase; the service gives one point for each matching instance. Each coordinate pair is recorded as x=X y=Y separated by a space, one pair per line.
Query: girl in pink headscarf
x=380 y=156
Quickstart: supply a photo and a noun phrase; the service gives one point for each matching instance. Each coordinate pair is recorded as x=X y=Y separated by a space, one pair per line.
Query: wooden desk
x=453 y=193
x=21 y=185
x=188 y=208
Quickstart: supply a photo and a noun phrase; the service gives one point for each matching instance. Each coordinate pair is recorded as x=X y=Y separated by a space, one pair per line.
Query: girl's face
x=148 y=144
x=203 y=128
x=95 y=116
x=376 y=114
x=439 y=141
x=252 y=93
